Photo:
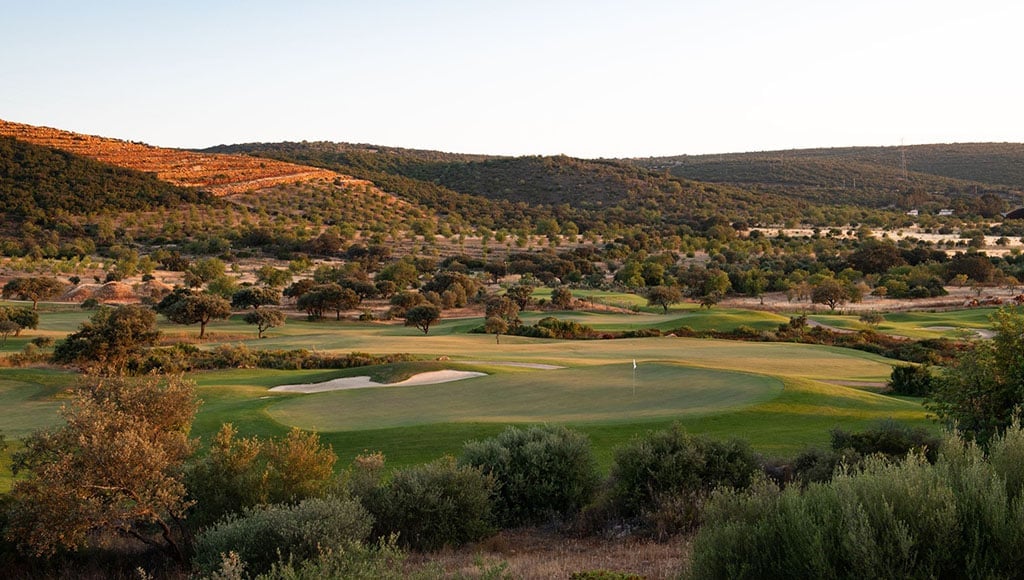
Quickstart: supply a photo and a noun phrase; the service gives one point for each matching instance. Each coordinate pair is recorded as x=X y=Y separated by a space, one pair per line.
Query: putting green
x=596 y=394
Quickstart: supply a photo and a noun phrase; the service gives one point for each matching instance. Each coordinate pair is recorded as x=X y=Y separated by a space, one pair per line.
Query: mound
x=115 y=292
x=80 y=293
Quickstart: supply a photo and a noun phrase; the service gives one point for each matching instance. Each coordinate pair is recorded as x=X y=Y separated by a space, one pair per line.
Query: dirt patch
x=538 y=554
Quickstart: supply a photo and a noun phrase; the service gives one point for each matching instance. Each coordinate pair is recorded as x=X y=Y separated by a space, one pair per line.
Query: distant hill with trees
x=533 y=192
x=876 y=176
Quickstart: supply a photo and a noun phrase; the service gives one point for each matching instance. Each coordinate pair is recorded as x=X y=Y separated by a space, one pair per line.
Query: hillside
x=36 y=180
x=599 y=196
x=866 y=175
x=217 y=174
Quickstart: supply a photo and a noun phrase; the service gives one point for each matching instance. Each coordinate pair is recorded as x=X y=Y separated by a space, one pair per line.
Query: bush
x=434 y=505
x=906 y=519
x=240 y=473
x=888 y=438
x=911 y=381
x=384 y=561
x=292 y=533
x=670 y=462
x=540 y=472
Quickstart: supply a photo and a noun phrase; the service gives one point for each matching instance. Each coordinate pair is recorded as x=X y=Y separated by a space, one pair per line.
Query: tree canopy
x=984 y=388
x=114 y=467
x=108 y=341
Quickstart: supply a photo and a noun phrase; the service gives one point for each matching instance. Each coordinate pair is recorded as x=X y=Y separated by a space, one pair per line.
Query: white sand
x=428 y=378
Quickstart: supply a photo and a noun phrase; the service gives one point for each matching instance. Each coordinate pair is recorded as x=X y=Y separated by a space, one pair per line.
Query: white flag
x=634 y=364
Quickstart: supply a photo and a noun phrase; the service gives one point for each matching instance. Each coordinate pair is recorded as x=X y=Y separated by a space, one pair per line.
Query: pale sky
x=583 y=78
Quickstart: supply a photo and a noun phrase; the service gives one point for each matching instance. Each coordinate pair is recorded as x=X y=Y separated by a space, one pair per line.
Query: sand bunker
x=429 y=378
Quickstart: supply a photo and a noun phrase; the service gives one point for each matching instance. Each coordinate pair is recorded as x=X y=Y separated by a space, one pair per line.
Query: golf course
x=782 y=397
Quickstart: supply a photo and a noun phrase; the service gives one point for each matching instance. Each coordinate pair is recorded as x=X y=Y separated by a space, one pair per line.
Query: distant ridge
x=218 y=174
x=993 y=164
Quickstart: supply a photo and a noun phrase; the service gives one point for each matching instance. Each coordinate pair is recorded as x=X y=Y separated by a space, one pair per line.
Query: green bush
x=384 y=561
x=911 y=381
x=263 y=536
x=672 y=462
x=540 y=473
x=433 y=505
x=240 y=473
x=889 y=438
x=894 y=519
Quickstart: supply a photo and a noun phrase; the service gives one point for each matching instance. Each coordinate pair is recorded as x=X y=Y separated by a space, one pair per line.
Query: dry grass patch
x=534 y=553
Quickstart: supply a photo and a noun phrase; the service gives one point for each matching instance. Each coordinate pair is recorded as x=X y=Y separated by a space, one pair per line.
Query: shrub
x=540 y=472
x=889 y=438
x=672 y=462
x=294 y=533
x=906 y=519
x=911 y=381
x=384 y=561
x=240 y=473
x=433 y=505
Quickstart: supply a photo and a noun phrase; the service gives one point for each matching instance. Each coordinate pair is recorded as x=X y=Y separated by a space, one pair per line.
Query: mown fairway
x=951 y=324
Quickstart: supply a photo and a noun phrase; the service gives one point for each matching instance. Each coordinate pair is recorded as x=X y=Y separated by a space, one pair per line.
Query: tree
x=115 y=466
x=323 y=297
x=664 y=296
x=521 y=294
x=876 y=257
x=984 y=387
x=255 y=296
x=273 y=277
x=24 y=318
x=185 y=307
x=207 y=269
x=299 y=287
x=561 y=298
x=422 y=316
x=830 y=292
x=403 y=301
x=111 y=339
x=264 y=319
x=340 y=298
x=7 y=328
x=35 y=289
x=504 y=308
x=496 y=326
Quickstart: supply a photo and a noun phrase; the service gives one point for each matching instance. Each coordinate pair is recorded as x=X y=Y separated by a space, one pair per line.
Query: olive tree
x=34 y=288
x=186 y=307
x=108 y=341
x=422 y=316
x=664 y=296
x=264 y=319
x=114 y=467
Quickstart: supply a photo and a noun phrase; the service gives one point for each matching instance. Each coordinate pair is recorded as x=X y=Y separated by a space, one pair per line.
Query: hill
x=522 y=192
x=35 y=179
x=877 y=176
x=217 y=174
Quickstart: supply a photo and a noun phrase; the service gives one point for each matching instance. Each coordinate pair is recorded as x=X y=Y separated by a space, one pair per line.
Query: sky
x=519 y=77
